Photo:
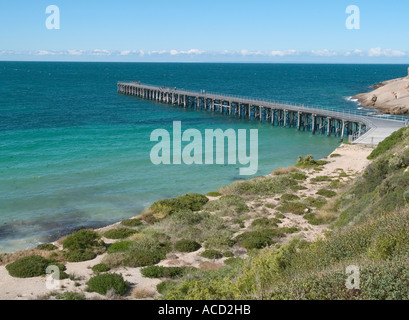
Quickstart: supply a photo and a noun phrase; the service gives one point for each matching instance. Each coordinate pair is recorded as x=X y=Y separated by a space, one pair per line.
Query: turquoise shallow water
x=74 y=153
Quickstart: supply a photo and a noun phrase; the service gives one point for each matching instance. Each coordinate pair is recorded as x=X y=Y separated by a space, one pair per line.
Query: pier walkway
x=355 y=124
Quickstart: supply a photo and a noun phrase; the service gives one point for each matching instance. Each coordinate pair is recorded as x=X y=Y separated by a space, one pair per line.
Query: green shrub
x=335 y=155
x=163 y=272
x=233 y=261
x=47 y=247
x=309 y=162
x=228 y=254
x=70 y=296
x=262 y=186
x=211 y=254
x=132 y=222
x=79 y=255
x=326 y=193
x=82 y=245
x=103 y=283
x=321 y=179
x=221 y=240
x=406 y=196
x=161 y=209
x=121 y=246
x=316 y=202
x=142 y=258
x=258 y=239
x=144 y=252
x=228 y=205
x=388 y=143
x=289 y=197
x=214 y=194
x=187 y=246
x=264 y=223
x=296 y=188
x=298 y=176
x=28 y=267
x=82 y=239
x=166 y=286
x=101 y=267
x=290 y=230
x=293 y=207
x=313 y=219
x=119 y=233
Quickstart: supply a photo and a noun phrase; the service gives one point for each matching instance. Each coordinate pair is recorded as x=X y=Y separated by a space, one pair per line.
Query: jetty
x=355 y=125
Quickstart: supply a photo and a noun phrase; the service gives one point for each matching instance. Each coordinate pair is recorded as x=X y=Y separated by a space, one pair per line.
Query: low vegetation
x=370 y=230
x=119 y=233
x=83 y=245
x=103 y=283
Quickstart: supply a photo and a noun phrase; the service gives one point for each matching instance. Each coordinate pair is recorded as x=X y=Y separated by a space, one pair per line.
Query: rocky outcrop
x=389 y=97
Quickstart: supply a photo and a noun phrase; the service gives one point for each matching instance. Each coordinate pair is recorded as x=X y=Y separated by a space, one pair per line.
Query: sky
x=206 y=31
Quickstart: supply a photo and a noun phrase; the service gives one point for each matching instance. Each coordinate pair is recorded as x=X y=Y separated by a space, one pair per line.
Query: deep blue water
x=74 y=153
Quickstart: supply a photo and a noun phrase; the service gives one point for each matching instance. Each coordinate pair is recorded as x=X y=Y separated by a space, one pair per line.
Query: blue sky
x=212 y=30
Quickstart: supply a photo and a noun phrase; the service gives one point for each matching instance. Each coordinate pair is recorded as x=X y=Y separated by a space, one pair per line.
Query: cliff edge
x=389 y=97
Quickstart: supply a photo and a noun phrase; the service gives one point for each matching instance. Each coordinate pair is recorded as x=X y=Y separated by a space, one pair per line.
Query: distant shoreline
x=388 y=97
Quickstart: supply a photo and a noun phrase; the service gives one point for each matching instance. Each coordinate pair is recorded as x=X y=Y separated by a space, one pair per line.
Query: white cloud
x=187 y=52
x=125 y=52
x=324 y=53
x=379 y=52
x=75 y=52
x=99 y=52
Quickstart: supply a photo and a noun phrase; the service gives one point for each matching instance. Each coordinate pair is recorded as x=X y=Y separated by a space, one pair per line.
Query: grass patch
x=100 y=268
x=300 y=176
x=161 y=209
x=289 y=230
x=28 y=267
x=214 y=194
x=309 y=162
x=316 y=202
x=294 y=207
x=321 y=179
x=258 y=239
x=229 y=205
x=326 y=193
x=121 y=246
x=297 y=187
x=211 y=254
x=388 y=143
x=185 y=245
x=289 y=197
x=119 y=233
x=46 y=247
x=70 y=296
x=158 y=272
x=82 y=245
x=132 y=223
x=261 y=186
x=166 y=286
x=265 y=223
x=283 y=171
x=313 y=219
x=335 y=155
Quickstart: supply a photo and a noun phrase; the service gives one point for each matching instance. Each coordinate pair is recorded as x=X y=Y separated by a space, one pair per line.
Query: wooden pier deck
x=359 y=128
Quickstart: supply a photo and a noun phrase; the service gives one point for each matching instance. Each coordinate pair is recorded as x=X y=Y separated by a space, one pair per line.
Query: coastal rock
x=389 y=97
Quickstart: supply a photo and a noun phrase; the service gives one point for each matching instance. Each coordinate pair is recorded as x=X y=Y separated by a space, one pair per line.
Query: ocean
x=74 y=153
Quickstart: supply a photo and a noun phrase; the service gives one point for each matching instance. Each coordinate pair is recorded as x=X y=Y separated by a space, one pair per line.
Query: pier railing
x=326 y=120
x=256 y=100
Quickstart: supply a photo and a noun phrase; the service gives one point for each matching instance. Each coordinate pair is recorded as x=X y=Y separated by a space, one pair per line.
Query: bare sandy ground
x=351 y=159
